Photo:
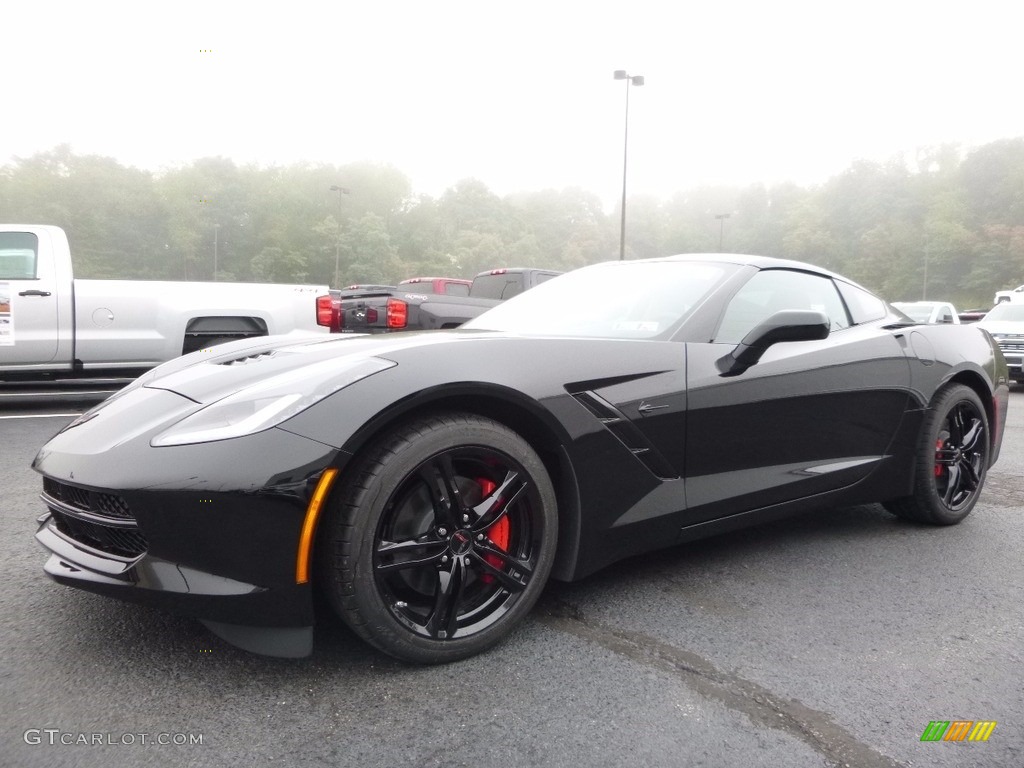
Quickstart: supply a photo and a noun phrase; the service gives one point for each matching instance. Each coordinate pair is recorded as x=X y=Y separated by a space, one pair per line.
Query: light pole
x=337 y=239
x=721 y=227
x=216 y=237
x=924 y=287
x=620 y=74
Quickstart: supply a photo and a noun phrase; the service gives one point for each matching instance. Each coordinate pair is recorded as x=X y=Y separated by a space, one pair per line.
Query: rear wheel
x=442 y=540
x=952 y=459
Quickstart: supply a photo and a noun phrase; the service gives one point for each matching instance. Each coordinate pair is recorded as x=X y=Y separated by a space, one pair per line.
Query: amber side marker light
x=309 y=525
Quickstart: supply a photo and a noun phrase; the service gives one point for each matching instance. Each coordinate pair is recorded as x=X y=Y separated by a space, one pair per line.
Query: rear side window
x=864 y=307
x=18 y=254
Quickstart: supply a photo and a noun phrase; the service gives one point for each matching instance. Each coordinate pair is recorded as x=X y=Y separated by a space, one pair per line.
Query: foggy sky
x=517 y=94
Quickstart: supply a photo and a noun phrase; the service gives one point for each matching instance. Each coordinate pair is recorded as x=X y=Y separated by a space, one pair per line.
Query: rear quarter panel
x=941 y=354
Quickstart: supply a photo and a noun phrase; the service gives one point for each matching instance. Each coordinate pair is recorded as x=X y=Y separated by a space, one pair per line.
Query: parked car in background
x=972 y=315
x=1017 y=294
x=365 y=287
x=60 y=328
x=932 y=312
x=407 y=307
x=1006 y=324
x=447 y=286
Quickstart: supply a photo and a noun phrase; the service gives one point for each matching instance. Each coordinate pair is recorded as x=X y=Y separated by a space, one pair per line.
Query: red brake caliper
x=497 y=533
x=938 y=467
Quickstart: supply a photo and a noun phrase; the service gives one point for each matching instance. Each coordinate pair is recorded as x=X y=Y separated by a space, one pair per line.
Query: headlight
x=268 y=403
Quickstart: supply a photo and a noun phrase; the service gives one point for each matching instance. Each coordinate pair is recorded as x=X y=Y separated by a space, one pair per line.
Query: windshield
x=620 y=300
x=1006 y=311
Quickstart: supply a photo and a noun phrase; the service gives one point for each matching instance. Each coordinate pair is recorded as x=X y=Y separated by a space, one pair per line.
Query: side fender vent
x=616 y=422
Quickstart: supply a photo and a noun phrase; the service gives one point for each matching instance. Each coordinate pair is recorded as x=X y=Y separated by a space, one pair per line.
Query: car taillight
x=398 y=313
x=325 y=312
x=371 y=316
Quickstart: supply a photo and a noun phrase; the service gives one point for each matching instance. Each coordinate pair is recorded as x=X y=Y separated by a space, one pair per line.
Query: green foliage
x=946 y=226
x=367 y=253
x=273 y=265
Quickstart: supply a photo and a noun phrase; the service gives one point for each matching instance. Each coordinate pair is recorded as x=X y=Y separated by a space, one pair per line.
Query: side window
x=18 y=252
x=772 y=290
x=864 y=307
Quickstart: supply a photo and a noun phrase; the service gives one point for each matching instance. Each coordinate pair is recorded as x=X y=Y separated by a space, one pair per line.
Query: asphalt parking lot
x=832 y=639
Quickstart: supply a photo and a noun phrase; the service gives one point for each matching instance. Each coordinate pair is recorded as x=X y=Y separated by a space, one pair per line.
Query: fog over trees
x=947 y=226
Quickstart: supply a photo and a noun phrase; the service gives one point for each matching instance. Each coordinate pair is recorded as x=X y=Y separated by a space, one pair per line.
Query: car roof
x=749 y=260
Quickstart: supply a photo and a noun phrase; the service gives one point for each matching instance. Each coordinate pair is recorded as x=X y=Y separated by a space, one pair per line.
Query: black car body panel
x=646 y=442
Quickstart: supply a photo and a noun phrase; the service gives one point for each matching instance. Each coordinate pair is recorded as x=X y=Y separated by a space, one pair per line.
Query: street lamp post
x=924 y=286
x=620 y=74
x=337 y=239
x=216 y=237
x=721 y=227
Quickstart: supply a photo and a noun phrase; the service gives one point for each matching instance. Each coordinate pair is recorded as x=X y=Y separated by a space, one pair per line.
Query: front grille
x=122 y=542
x=1011 y=346
x=94 y=502
x=102 y=521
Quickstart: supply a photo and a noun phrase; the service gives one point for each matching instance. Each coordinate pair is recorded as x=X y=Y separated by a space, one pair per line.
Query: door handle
x=34 y=293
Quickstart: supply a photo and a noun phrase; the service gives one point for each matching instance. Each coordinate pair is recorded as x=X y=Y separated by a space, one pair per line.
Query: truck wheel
x=442 y=540
x=952 y=460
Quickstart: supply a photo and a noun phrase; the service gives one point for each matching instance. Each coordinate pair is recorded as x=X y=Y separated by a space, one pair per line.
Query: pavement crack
x=760 y=705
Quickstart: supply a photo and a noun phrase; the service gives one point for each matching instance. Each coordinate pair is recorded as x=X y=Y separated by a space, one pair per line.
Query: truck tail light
x=398 y=313
x=326 y=314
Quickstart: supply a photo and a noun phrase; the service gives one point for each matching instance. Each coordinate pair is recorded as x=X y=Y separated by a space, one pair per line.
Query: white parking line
x=41 y=416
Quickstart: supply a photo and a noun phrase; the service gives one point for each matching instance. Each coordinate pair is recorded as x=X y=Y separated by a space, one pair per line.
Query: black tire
x=952 y=460
x=442 y=540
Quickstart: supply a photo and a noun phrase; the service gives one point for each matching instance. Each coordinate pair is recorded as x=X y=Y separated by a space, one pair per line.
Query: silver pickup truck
x=55 y=326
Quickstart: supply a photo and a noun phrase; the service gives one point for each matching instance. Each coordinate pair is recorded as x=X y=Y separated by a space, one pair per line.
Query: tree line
x=946 y=226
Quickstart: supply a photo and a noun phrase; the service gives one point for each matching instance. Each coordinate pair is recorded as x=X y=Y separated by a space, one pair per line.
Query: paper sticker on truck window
x=6 y=316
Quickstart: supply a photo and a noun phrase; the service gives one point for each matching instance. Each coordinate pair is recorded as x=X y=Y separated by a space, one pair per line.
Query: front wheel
x=952 y=460
x=442 y=540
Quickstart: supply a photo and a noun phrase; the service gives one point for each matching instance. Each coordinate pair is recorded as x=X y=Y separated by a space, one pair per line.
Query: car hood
x=1002 y=326
x=210 y=374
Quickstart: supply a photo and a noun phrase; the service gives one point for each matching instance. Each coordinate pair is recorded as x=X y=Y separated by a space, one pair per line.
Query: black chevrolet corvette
x=430 y=483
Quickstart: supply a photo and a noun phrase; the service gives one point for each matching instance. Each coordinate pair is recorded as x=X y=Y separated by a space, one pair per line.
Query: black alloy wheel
x=443 y=540
x=952 y=459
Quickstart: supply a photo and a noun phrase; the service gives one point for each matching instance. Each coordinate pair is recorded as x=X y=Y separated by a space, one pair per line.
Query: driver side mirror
x=787 y=325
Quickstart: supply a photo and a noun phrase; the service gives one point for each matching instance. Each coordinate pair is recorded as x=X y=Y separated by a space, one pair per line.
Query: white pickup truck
x=54 y=326
x=1016 y=294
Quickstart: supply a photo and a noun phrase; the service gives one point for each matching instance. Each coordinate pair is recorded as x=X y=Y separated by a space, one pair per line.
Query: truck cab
x=36 y=302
